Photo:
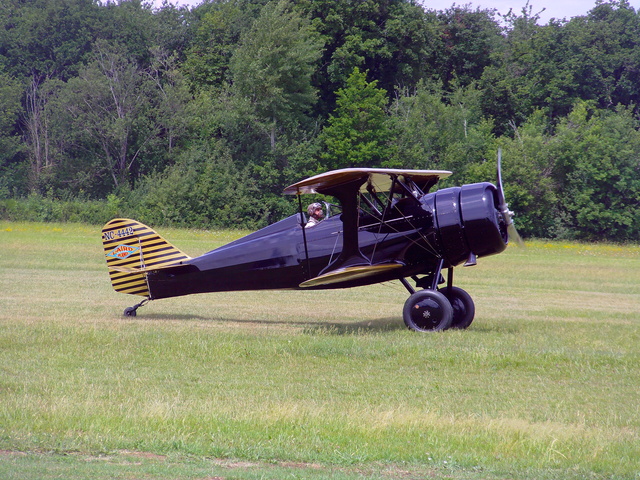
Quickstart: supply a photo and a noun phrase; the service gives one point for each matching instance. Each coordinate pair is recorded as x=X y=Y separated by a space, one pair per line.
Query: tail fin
x=131 y=249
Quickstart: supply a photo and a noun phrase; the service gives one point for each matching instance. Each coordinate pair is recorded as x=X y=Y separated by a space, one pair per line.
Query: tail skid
x=131 y=249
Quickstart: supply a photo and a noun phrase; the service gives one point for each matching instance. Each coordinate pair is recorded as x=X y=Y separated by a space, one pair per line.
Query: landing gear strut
x=435 y=309
x=131 y=311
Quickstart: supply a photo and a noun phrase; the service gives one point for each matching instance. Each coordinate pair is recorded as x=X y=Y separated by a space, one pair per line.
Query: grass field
x=319 y=385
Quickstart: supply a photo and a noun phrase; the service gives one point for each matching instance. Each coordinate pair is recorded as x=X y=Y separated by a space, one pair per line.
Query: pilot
x=315 y=214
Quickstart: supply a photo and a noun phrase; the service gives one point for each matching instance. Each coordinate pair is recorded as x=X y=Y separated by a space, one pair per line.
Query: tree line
x=200 y=117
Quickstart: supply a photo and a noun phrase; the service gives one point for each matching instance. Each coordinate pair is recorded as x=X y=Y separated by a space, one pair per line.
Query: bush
x=36 y=208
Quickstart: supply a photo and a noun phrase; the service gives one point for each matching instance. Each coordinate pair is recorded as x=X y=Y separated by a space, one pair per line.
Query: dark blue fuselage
x=422 y=235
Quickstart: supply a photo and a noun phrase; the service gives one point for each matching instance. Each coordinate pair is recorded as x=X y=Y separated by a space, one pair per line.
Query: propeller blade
x=514 y=235
x=500 y=188
x=503 y=206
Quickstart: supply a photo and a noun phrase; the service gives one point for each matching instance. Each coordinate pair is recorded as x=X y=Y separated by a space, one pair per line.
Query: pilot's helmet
x=313 y=207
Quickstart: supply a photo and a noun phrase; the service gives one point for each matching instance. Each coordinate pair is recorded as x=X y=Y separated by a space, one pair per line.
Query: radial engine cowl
x=469 y=222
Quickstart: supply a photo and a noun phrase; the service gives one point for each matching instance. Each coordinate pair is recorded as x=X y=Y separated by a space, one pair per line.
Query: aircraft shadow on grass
x=366 y=326
x=180 y=317
x=311 y=327
x=389 y=324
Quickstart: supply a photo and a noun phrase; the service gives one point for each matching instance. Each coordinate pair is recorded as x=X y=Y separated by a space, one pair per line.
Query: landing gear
x=427 y=311
x=463 y=307
x=435 y=309
x=131 y=311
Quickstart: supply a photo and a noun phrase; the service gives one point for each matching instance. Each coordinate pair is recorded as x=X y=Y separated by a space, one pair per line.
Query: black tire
x=464 y=310
x=130 y=312
x=427 y=311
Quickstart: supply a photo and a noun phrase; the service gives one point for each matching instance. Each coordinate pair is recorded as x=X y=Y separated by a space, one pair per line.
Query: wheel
x=463 y=307
x=427 y=311
x=130 y=312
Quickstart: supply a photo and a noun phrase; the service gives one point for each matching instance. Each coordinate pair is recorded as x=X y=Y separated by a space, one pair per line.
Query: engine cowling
x=469 y=223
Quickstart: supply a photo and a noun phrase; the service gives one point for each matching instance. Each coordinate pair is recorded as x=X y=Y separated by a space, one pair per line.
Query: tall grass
x=544 y=384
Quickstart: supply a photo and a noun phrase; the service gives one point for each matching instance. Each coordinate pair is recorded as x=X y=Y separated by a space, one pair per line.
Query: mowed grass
x=327 y=384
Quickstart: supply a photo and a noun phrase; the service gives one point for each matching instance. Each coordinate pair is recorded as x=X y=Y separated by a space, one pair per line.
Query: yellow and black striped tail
x=131 y=249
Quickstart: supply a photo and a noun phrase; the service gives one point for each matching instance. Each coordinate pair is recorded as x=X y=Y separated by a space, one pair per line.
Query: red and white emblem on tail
x=123 y=251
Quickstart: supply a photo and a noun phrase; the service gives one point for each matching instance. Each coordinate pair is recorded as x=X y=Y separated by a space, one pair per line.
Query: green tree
x=597 y=157
x=204 y=188
x=436 y=129
x=521 y=67
x=172 y=29
x=216 y=36
x=530 y=177
x=394 y=40
x=10 y=148
x=47 y=38
x=39 y=139
x=468 y=40
x=170 y=99
x=549 y=68
x=358 y=134
x=604 y=54
x=107 y=120
x=132 y=25
x=273 y=65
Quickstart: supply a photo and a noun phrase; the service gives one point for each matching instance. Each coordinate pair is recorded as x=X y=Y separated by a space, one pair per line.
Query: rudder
x=131 y=248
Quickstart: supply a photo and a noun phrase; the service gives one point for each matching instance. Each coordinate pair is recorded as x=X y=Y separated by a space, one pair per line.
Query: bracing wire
x=426 y=246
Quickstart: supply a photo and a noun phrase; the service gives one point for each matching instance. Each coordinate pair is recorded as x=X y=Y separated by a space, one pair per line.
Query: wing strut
x=304 y=232
x=347 y=194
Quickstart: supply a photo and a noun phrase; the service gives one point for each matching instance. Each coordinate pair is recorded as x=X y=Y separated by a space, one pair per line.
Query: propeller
x=507 y=214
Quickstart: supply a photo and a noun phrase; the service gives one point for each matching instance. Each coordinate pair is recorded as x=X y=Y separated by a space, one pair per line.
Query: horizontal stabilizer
x=347 y=274
x=149 y=269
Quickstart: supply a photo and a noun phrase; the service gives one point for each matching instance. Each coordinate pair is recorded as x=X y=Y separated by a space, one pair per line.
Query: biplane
x=386 y=225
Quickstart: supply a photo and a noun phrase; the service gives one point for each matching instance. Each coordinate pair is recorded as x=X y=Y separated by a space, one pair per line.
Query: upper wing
x=382 y=178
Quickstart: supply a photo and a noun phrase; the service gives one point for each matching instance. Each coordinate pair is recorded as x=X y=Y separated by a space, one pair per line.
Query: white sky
x=558 y=9
x=553 y=8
